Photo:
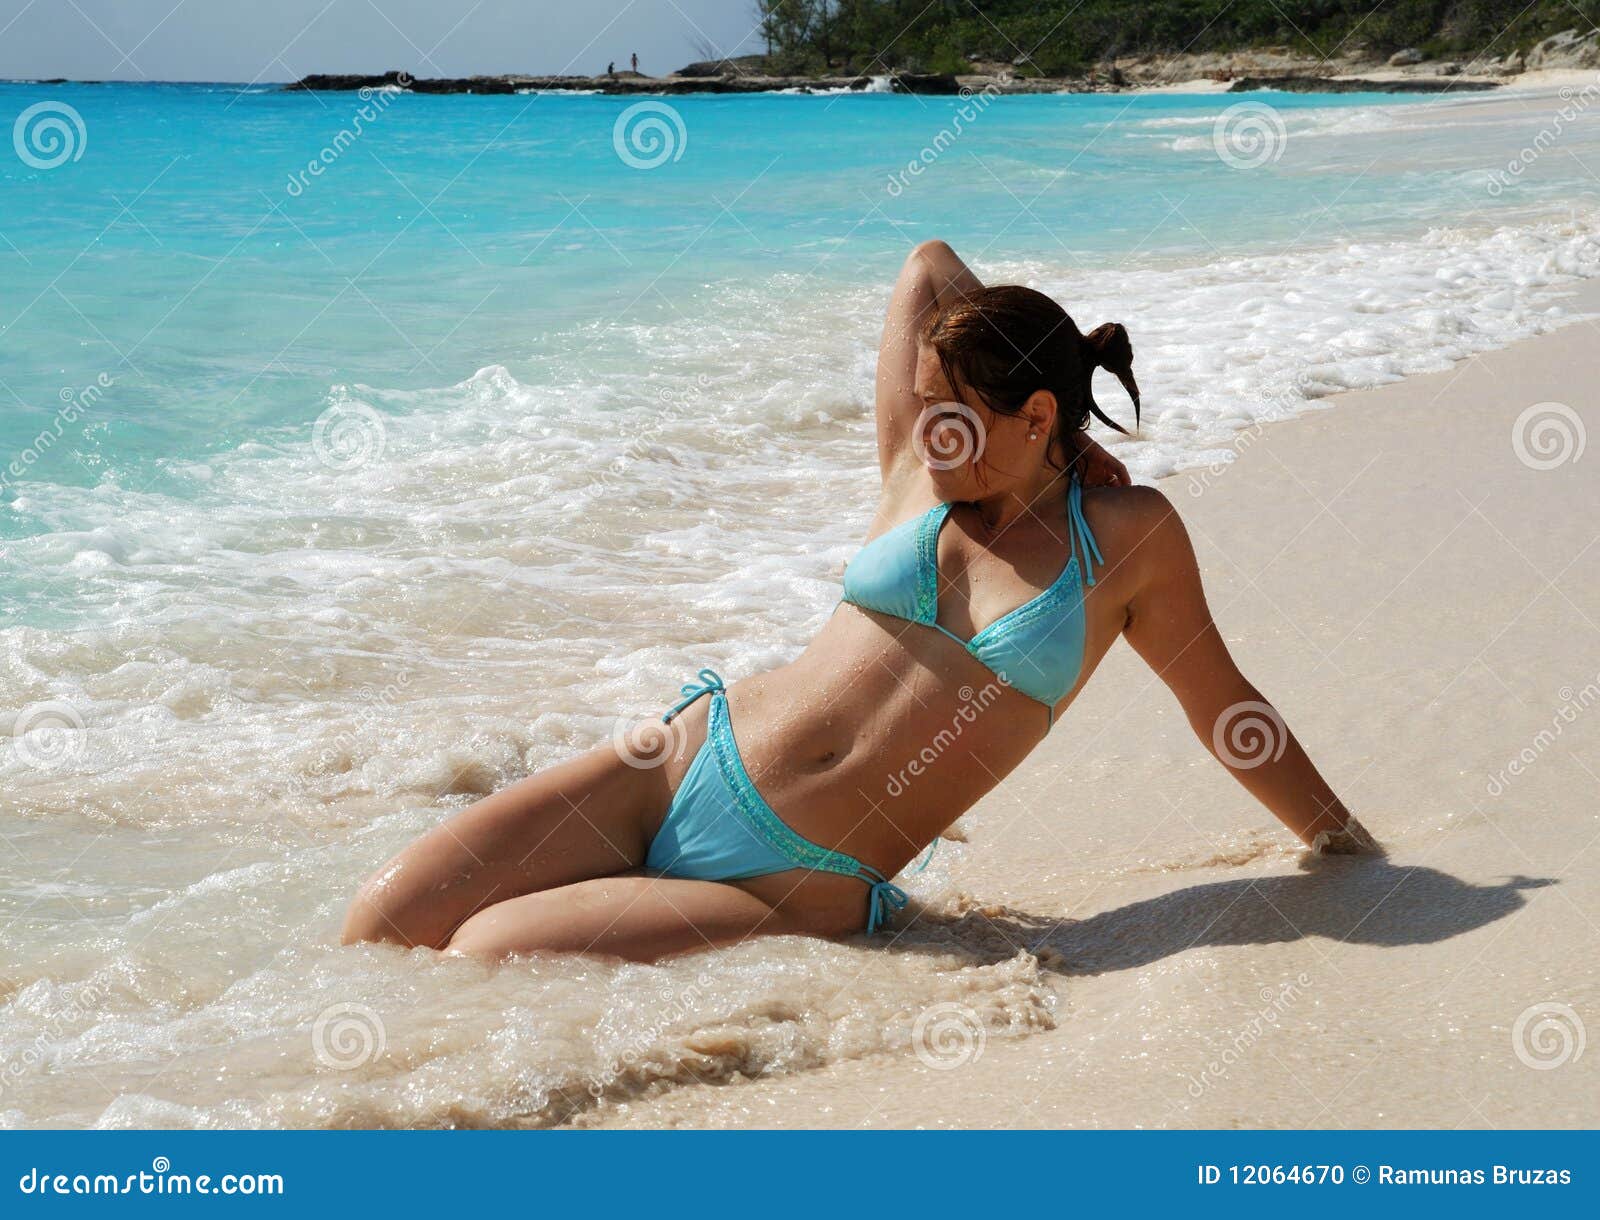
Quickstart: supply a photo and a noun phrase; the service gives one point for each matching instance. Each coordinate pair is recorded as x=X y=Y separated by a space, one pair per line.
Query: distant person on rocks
x=636 y=61
x=611 y=68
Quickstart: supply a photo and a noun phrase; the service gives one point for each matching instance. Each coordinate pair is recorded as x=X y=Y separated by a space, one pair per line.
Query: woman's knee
x=367 y=920
x=380 y=912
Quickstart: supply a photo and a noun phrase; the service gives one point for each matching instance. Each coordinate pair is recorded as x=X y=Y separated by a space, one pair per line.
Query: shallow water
x=396 y=486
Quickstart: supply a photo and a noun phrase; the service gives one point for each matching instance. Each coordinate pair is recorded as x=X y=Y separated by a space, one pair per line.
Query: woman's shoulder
x=1136 y=504
x=1135 y=521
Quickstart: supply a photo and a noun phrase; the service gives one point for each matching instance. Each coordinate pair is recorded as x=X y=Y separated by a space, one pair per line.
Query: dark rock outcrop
x=903 y=82
x=1330 y=84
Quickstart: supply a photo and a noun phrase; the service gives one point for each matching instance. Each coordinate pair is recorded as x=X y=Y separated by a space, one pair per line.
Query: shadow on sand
x=1361 y=900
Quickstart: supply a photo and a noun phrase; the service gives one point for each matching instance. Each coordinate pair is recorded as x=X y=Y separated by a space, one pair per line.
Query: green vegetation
x=1057 y=37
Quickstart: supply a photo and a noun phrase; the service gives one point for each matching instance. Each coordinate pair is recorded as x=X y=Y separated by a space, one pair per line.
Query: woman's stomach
x=879 y=735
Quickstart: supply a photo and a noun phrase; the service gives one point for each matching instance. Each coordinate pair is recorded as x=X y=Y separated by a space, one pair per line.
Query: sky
x=280 y=40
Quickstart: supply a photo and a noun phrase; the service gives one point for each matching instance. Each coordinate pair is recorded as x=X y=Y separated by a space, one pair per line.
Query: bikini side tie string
x=709 y=684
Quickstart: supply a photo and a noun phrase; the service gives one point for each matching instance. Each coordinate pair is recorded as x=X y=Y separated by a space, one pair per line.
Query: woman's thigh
x=635 y=917
x=589 y=817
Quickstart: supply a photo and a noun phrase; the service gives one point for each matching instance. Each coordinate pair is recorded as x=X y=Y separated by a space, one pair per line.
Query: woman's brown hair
x=1008 y=341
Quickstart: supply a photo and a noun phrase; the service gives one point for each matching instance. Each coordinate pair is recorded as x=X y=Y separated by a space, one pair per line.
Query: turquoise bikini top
x=1036 y=648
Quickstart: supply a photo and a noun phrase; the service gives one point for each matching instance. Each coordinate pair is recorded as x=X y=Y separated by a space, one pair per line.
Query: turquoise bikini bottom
x=719 y=828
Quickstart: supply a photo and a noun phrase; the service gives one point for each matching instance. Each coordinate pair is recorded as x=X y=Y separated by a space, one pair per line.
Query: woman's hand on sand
x=1353 y=840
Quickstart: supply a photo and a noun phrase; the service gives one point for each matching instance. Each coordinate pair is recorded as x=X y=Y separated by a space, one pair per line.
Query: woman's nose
x=954 y=436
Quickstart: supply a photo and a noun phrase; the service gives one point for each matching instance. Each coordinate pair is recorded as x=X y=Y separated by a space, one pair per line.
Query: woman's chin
x=951 y=486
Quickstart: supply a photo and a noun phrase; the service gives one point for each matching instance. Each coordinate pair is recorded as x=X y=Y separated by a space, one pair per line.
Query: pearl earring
x=1033 y=436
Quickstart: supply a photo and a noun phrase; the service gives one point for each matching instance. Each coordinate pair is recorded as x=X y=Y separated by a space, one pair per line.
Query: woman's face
x=970 y=451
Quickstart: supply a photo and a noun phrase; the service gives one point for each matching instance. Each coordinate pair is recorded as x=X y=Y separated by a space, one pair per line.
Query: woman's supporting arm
x=933 y=276
x=1170 y=626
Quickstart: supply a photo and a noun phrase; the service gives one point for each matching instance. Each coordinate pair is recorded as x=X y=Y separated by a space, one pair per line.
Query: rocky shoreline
x=1407 y=71
x=630 y=83
x=900 y=82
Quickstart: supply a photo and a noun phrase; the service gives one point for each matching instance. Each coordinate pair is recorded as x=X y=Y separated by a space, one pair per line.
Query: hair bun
x=1107 y=346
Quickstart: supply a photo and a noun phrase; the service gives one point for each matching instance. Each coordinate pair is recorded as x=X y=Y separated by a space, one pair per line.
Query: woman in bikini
x=1007 y=555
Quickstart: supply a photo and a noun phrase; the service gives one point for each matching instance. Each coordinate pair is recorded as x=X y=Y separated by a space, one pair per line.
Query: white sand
x=1574 y=79
x=1198 y=85
x=1421 y=605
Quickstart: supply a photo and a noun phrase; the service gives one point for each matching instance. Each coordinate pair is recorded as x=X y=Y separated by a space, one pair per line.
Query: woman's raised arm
x=932 y=277
x=1169 y=625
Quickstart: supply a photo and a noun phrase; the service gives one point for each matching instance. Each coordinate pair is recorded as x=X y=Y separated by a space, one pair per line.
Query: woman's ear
x=1040 y=412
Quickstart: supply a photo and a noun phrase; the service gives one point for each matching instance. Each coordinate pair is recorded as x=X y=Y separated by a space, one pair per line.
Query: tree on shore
x=785 y=26
x=1059 y=37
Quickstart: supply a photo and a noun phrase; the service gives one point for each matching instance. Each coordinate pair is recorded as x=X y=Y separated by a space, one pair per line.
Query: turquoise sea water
x=330 y=500
x=454 y=233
